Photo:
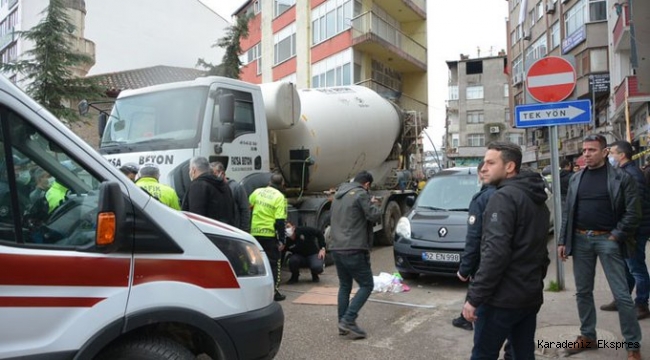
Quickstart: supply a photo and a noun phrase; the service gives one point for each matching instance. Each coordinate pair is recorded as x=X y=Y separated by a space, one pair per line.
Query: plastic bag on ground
x=386 y=282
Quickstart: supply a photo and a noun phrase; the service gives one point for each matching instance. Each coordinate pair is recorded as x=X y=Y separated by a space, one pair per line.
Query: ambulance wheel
x=147 y=348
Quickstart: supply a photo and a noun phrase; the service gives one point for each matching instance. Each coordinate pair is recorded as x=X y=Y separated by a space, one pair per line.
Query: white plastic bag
x=386 y=282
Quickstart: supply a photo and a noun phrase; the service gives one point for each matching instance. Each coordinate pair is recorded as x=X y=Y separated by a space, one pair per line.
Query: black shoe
x=278 y=296
x=609 y=307
x=355 y=331
x=293 y=280
x=315 y=278
x=460 y=322
x=343 y=332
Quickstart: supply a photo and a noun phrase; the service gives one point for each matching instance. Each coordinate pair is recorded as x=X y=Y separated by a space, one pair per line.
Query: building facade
x=478 y=109
x=380 y=44
x=596 y=36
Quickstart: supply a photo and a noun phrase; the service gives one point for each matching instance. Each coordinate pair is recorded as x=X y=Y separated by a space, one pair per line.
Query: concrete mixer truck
x=316 y=138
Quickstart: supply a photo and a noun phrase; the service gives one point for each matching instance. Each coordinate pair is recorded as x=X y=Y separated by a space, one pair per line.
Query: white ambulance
x=96 y=268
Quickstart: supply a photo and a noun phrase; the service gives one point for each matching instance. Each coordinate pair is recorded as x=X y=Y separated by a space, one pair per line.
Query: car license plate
x=443 y=257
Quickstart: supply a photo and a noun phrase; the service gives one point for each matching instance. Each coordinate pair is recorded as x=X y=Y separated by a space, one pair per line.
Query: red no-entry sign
x=551 y=79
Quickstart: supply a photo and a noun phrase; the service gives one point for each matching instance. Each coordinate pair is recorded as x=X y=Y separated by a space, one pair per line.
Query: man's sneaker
x=343 y=332
x=355 y=331
x=315 y=278
x=581 y=344
x=642 y=312
x=278 y=296
x=609 y=307
x=460 y=322
x=293 y=279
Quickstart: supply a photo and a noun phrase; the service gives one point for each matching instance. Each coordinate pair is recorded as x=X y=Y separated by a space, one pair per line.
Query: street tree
x=48 y=67
x=230 y=64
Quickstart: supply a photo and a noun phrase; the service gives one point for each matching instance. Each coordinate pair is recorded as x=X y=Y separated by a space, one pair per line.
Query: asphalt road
x=409 y=325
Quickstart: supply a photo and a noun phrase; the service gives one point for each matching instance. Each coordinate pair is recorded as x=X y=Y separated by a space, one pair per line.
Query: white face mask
x=288 y=231
x=50 y=181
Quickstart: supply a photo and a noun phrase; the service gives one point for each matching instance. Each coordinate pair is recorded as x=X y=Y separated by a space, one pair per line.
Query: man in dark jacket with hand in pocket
x=507 y=291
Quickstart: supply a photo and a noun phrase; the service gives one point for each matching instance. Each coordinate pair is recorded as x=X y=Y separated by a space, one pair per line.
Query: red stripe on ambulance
x=203 y=273
x=21 y=301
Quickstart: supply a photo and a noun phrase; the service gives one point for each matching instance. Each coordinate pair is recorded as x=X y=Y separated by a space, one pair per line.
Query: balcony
x=11 y=4
x=622 y=39
x=629 y=86
x=404 y=10
x=372 y=35
x=7 y=39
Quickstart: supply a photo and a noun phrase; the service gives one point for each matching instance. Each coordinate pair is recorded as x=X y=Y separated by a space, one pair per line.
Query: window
x=540 y=9
x=385 y=75
x=516 y=138
x=330 y=19
x=517 y=67
x=597 y=10
x=253 y=54
x=285 y=44
x=506 y=90
x=475 y=140
x=333 y=71
x=574 y=18
x=555 y=35
x=10 y=54
x=453 y=92
x=48 y=194
x=244 y=121
x=537 y=50
x=474 y=92
x=455 y=140
x=475 y=117
x=506 y=116
x=280 y=6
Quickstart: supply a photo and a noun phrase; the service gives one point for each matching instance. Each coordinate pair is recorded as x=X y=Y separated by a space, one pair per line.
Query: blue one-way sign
x=558 y=113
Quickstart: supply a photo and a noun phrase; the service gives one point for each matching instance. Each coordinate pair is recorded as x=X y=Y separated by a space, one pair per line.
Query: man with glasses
x=599 y=221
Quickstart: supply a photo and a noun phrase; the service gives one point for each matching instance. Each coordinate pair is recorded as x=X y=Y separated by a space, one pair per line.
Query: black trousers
x=270 y=246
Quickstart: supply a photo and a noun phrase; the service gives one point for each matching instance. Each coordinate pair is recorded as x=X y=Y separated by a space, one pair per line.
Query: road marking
x=419 y=306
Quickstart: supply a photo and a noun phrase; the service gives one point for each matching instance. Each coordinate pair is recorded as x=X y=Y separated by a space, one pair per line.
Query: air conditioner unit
x=494 y=130
x=517 y=78
x=527 y=36
x=550 y=7
x=539 y=134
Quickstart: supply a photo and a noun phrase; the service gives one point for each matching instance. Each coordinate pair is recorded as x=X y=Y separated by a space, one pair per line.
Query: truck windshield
x=161 y=116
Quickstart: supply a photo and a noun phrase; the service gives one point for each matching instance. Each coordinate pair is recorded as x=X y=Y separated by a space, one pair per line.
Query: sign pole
x=557 y=203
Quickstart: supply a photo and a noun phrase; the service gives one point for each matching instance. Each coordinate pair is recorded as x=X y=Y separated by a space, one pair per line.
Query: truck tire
x=147 y=348
x=392 y=214
x=324 y=226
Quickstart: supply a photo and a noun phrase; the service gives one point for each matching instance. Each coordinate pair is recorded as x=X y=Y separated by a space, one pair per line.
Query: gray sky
x=454 y=27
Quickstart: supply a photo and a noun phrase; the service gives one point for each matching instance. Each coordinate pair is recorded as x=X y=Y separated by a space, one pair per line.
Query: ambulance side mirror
x=111 y=218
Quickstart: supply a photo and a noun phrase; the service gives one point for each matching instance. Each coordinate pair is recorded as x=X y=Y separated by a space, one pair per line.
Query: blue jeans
x=494 y=324
x=353 y=267
x=296 y=261
x=637 y=272
x=585 y=251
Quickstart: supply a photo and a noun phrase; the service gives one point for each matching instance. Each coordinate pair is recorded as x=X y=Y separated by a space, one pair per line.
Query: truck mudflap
x=256 y=334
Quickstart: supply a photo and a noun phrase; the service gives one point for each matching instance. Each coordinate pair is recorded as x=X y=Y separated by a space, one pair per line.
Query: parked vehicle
x=99 y=269
x=317 y=139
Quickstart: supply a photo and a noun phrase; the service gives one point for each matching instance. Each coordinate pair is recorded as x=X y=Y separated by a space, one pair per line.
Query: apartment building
x=596 y=36
x=478 y=108
x=22 y=15
x=380 y=44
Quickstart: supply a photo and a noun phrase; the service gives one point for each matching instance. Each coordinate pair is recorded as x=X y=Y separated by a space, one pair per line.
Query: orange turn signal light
x=105 y=229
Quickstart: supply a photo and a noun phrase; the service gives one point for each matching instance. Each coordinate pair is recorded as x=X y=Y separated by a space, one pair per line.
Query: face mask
x=50 y=181
x=613 y=161
x=220 y=177
x=24 y=177
x=288 y=232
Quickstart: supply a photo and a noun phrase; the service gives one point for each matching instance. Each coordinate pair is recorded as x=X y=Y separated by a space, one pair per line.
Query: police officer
x=269 y=213
x=148 y=180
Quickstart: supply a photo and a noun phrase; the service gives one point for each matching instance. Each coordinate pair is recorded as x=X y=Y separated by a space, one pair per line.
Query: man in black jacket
x=470 y=259
x=208 y=195
x=506 y=294
x=566 y=170
x=240 y=197
x=307 y=247
x=599 y=221
x=620 y=155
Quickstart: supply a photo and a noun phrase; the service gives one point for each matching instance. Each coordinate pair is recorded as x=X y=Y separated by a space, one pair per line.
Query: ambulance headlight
x=244 y=257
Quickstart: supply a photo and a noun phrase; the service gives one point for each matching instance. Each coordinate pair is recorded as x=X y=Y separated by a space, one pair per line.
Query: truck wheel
x=147 y=348
x=324 y=226
x=391 y=217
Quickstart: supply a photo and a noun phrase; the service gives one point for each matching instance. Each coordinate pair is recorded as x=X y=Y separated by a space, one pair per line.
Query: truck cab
x=93 y=267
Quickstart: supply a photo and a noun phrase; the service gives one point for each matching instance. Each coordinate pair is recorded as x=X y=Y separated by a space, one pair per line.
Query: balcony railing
x=370 y=23
x=7 y=38
x=622 y=28
x=11 y=3
x=422 y=4
x=630 y=86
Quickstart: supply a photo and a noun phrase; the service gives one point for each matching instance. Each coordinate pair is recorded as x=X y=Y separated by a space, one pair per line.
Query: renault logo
x=442 y=232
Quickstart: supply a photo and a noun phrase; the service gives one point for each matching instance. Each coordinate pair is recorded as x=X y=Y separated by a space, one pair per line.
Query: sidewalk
x=558 y=317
